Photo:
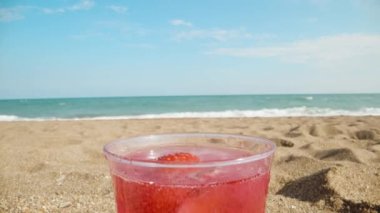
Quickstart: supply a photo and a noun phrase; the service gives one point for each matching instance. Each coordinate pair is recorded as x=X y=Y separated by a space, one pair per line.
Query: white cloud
x=53 y=11
x=118 y=9
x=13 y=13
x=327 y=49
x=214 y=34
x=10 y=14
x=82 y=5
x=180 y=22
x=17 y=12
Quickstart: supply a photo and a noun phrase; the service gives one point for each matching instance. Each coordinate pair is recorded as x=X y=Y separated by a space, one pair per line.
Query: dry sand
x=329 y=164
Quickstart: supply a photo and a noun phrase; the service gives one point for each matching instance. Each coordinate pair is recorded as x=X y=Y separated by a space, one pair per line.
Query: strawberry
x=178 y=157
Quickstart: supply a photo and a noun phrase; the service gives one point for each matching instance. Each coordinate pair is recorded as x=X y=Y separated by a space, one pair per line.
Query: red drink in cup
x=188 y=173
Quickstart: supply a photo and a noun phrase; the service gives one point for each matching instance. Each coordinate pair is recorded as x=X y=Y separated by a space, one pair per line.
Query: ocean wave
x=273 y=112
x=9 y=118
x=309 y=98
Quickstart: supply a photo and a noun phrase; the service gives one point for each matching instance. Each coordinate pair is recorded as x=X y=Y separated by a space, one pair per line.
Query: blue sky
x=76 y=48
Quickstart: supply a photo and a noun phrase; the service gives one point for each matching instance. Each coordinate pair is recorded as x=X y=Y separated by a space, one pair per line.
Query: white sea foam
x=309 y=98
x=274 y=112
x=8 y=118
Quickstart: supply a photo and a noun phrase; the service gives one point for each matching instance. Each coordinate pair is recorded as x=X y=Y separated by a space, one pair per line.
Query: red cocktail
x=190 y=173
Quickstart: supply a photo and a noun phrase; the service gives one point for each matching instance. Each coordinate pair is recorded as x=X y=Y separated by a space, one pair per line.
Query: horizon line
x=193 y=95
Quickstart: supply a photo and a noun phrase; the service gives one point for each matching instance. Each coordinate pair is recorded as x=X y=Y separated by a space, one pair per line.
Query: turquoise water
x=191 y=106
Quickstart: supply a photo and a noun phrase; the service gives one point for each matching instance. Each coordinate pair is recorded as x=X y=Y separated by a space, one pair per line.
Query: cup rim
x=254 y=157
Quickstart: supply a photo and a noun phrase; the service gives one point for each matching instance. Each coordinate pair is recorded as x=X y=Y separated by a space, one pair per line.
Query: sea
x=212 y=106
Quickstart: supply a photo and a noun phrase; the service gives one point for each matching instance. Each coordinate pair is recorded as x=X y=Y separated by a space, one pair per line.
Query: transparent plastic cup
x=231 y=174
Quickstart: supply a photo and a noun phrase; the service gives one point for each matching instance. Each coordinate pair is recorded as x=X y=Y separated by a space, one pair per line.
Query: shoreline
x=131 y=118
x=322 y=164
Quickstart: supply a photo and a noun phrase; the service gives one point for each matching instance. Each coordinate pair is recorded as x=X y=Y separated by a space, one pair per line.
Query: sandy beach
x=322 y=164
